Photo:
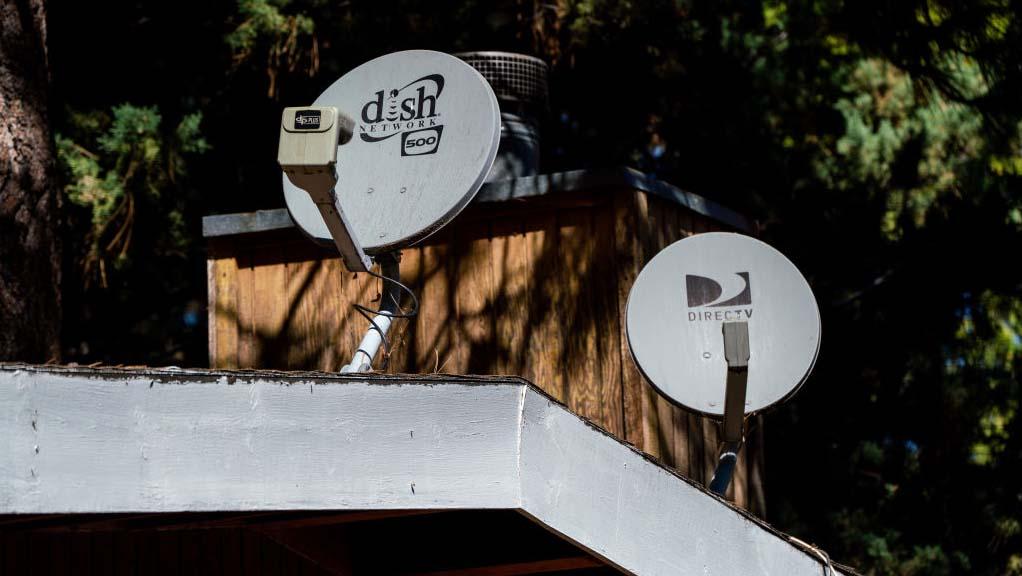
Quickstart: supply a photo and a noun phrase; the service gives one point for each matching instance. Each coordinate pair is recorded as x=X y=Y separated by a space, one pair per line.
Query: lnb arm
x=307 y=153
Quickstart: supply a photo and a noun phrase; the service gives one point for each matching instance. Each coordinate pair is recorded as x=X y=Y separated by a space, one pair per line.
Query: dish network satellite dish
x=386 y=156
x=725 y=325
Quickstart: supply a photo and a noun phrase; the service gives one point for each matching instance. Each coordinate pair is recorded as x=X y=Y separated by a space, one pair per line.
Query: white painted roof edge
x=614 y=501
x=80 y=442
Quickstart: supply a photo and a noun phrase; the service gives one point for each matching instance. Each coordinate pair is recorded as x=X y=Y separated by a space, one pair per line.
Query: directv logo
x=729 y=292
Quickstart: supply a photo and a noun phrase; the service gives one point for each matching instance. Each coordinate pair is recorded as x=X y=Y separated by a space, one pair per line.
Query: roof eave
x=87 y=441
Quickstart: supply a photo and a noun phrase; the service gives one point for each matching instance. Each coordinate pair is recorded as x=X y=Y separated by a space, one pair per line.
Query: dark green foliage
x=134 y=172
x=878 y=143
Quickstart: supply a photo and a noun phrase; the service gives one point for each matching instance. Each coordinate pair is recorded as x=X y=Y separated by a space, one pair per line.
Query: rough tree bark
x=29 y=200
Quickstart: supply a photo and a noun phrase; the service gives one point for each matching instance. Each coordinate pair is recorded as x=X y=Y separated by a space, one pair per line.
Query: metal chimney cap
x=514 y=77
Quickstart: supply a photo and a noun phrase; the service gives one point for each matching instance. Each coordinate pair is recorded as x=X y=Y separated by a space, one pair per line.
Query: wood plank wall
x=532 y=289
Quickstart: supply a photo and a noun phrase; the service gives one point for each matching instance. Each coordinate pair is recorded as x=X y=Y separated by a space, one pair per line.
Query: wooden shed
x=531 y=280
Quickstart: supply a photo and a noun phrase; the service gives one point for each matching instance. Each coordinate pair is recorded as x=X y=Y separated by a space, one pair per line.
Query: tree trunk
x=29 y=200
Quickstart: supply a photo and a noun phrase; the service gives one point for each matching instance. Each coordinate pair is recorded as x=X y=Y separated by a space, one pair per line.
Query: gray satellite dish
x=684 y=296
x=426 y=130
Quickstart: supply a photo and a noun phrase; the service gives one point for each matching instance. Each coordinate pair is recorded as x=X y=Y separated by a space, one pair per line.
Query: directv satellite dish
x=684 y=295
x=425 y=134
x=724 y=325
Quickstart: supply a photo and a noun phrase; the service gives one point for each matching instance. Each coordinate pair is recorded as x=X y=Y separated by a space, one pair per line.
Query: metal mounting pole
x=736 y=353
x=367 y=349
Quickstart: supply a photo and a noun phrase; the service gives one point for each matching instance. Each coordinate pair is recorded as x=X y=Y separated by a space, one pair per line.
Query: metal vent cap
x=514 y=77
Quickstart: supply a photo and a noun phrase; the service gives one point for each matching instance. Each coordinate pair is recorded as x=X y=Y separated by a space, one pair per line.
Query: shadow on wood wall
x=535 y=289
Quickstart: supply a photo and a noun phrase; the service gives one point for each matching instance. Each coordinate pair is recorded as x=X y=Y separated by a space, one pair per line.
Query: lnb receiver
x=309 y=137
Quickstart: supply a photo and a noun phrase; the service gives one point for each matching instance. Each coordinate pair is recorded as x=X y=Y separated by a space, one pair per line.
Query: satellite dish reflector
x=426 y=131
x=684 y=295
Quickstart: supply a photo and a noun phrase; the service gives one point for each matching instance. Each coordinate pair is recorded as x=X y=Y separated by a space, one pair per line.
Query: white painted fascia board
x=74 y=444
x=74 y=441
x=608 y=498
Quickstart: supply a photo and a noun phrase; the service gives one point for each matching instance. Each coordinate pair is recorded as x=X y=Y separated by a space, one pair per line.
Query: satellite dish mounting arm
x=736 y=353
x=380 y=322
x=307 y=153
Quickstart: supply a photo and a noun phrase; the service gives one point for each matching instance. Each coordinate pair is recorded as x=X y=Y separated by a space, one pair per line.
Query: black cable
x=369 y=313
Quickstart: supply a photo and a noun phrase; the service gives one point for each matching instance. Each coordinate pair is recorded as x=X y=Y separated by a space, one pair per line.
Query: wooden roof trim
x=514 y=190
x=106 y=440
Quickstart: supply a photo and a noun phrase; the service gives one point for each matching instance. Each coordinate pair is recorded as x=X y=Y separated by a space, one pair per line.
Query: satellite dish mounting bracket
x=390 y=308
x=736 y=353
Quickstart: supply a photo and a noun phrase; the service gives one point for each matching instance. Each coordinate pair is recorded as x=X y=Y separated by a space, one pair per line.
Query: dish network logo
x=410 y=111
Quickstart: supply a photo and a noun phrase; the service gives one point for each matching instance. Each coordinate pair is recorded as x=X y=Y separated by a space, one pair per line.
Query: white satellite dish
x=684 y=295
x=387 y=155
x=426 y=130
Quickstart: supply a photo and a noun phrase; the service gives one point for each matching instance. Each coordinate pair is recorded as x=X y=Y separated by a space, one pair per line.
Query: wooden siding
x=530 y=288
